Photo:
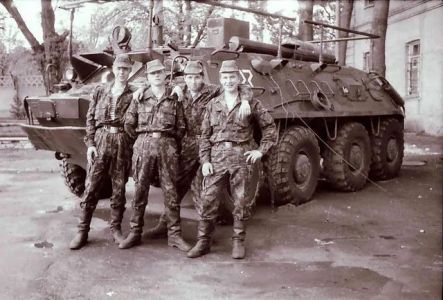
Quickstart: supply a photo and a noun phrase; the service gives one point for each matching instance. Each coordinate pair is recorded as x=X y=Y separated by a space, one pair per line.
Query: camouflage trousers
x=190 y=176
x=113 y=160
x=231 y=172
x=152 y=155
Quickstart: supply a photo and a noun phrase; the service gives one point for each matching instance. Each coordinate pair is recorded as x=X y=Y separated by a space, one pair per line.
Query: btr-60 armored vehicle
x=334 y=122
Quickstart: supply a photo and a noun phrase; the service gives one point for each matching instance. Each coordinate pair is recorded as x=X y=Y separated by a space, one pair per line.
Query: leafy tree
x=16 y=109
x=50 y=52
x=324 y=11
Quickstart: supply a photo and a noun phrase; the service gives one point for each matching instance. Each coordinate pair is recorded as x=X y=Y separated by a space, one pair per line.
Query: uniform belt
x=231 y=144
x=158 y=134
x=112 y=129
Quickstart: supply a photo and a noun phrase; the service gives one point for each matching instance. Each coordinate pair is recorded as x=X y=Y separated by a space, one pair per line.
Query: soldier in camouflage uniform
x=196 y=94
x=109 y=150
x=158 y=124
x=228 y=153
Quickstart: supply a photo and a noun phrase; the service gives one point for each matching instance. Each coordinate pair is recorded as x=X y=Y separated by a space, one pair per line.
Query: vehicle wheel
x=347 y=159
x=75 y=177
x=264 y=195
x=295 y=166
x=387 y=150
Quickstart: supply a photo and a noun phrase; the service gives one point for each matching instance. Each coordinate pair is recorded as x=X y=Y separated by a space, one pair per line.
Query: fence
x=29 y=85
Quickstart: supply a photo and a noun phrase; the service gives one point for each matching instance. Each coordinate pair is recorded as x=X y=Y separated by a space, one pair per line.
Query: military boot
x=238 y=240
x=135 y=236
x=203 y=245
x=81 y=237
x=174 y=231
x=160 y=230
x=116 y=221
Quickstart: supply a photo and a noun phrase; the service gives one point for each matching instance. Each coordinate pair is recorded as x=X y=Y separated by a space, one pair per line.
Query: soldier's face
x=121 y=73
x=230 y=81
x=194 y=82
x=157 y=78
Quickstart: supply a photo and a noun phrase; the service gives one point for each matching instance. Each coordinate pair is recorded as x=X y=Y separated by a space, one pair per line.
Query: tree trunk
x=54 y=45
x=344 y=20
x=379 y=27
x=188 y=24
x=158 y=28
x=305 y=31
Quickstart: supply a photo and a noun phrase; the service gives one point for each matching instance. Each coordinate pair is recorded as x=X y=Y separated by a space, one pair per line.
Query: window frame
x=409 y=58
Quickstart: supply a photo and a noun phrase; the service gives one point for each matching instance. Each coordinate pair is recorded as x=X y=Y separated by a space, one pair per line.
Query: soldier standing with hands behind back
x=109 y=150
x=228 y=153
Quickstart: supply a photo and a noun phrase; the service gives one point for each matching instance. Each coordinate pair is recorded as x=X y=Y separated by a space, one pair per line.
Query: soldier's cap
x=123 y=60
x=154 y=65
x=193 y=67
x=229 y=66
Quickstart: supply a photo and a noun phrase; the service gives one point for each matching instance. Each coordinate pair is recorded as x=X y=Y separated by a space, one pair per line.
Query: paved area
x=384 y=242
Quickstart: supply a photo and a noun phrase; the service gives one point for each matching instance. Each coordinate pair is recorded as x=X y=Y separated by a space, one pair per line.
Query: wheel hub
x=303 y=168
x=392 y=150
x=356 y=158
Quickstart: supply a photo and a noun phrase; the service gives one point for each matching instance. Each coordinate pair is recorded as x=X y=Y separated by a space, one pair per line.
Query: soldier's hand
x=138 y=94
x=179 y=92
x=91 y=154
x=253 y=156
x=244 y=110
x=207 y=169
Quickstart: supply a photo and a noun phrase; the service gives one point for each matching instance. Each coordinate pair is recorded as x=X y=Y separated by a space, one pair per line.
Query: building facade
x=414 y=57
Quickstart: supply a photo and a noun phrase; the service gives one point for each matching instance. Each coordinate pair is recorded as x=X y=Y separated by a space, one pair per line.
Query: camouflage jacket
x=221 y=125
x=152 y=115
x=195 y=108
x=99 y=110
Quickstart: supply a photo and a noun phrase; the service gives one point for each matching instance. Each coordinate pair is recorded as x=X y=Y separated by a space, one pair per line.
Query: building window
x=367 y=61
x=413 y=68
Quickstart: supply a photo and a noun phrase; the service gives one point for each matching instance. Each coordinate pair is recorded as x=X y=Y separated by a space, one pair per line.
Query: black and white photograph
x=221 y=149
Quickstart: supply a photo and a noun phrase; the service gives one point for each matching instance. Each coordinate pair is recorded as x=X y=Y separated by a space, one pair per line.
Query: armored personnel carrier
x=334 y=122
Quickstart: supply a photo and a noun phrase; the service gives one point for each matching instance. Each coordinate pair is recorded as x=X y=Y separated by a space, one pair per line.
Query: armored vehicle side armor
x=334 y=122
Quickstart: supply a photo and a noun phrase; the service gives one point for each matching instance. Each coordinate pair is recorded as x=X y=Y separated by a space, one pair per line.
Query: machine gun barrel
x=298 y=50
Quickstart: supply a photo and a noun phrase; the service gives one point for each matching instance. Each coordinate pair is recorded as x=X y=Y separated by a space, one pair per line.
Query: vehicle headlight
x=70 y=74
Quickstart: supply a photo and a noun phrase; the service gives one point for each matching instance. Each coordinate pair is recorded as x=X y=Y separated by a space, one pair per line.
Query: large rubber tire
x=346 y=166
x=75 y=177
x=387 y=150
x=295 y=166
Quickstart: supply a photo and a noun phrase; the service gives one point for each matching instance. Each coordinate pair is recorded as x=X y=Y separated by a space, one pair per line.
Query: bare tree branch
x=15 y=14
x=200 y=33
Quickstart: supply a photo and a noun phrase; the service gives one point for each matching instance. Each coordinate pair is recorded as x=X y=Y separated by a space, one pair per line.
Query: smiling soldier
x=228 y=153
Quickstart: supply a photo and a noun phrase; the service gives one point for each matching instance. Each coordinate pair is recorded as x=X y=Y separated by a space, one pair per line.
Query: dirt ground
x=384 y=242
